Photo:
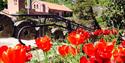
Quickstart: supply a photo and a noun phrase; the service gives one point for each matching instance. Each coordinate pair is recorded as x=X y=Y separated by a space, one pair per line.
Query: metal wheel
x=27 y=33
x=6 y=26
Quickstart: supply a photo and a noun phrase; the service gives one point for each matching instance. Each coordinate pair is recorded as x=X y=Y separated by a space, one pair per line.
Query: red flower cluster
x=64 y=50
x=114 y=31
x=100 y=53
x=78 y=36
x=28 y=56
x=105 y=32
x=119 y=55
x=2 y=49
x=122 y=44
x=44 y=43
x=98 y=32
x=18 y=54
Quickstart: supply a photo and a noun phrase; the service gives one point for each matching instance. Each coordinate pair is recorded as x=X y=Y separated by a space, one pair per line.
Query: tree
x=62 y=2
x=119 y=4
x=3 y=4
x=85 y=7
x=52 y=1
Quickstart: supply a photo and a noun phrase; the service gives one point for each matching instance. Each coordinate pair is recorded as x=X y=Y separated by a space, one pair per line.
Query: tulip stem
x=38 y=55
x=45 y=56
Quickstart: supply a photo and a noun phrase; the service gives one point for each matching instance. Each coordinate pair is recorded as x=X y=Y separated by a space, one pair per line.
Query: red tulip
x=44 y=43
x=28 y=48
x=104 y=50
x=119 y=55
x=106 y=32
x=14 y=55
x=94 y=59
x=78 y=37
x=75 y=38
x=89 y=49
x=86 y=35
x=80 y=30
x=64 y=50
x=72 y=50
x=28 y=56
x=114 y=31
x=98 y=32
x=122 y=44
x=101 y=52
x=83 y=59
x=2 y=49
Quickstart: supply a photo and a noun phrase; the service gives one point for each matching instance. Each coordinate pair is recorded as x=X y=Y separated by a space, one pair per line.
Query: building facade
x=37 y=7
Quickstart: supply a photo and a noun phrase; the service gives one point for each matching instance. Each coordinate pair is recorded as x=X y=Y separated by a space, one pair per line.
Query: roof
x=55 y=6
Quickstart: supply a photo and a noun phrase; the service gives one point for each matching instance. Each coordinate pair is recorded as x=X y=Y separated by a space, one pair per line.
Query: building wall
x=39 y=7
x=15 y=5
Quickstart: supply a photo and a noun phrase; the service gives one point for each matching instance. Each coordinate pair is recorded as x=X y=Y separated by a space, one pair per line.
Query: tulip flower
x=78 y=37
x=83 y=59
x=28 y=56
x=122 y=44
x=98 y=32
x=100 y=52
x=72 y=50
x=64 y=50
x=44 y=43
x=89 y=49
x=119 y=55
x=17 y=54
x=114 y=31
x=2 y=49
x=14 y=55
x=106 y=32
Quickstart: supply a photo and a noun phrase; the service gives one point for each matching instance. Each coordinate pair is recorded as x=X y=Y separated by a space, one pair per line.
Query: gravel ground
x=13 y=41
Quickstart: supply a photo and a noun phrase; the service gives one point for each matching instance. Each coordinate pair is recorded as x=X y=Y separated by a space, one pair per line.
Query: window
x=34 y=6
x=37 y=6
x=44 y=8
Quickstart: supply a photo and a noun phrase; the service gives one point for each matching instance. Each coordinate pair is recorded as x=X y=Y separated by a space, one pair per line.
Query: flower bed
x=79 y=46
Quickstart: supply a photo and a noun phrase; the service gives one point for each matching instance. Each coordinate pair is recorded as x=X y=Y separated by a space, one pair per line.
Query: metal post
x=29 y=6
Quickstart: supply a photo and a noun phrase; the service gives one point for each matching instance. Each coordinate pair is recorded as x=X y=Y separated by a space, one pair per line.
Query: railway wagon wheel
x=6 y=26
x=43 y=31
x=28 y=33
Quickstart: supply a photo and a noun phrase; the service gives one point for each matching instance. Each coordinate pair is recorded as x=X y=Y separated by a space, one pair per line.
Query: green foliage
x=119 y=5
x=105 y=3
x=22 y=11
x=62 y=2
x=82 y=7
x=52 y=1
x=2 y=4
